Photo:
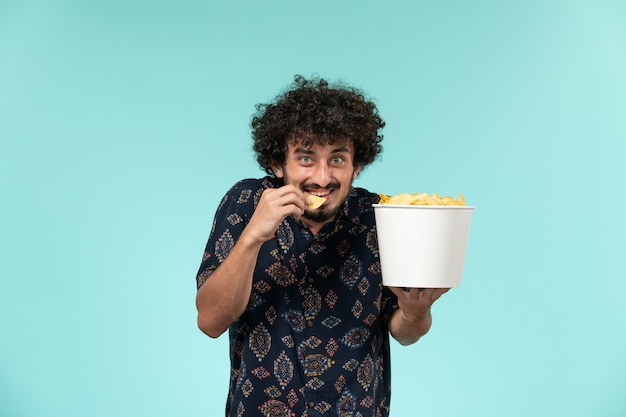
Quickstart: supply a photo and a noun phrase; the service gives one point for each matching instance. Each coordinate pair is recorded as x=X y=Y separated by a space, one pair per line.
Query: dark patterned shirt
x=314 y=338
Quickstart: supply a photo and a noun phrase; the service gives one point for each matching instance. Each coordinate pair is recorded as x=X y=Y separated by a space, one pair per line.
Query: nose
x=322 y=174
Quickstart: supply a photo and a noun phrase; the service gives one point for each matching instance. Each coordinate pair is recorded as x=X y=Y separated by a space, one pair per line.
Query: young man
x=300 y=288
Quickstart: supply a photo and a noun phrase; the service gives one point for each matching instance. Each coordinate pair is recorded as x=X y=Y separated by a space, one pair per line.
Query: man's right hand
x=273 y=207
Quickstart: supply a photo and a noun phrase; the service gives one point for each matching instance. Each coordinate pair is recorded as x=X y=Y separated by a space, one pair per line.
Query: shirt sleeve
x=231 y=217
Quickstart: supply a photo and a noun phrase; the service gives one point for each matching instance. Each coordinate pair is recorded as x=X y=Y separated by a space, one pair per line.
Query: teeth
x=320 y=194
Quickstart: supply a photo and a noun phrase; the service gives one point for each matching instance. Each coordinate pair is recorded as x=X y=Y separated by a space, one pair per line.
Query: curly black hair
x=313 y=111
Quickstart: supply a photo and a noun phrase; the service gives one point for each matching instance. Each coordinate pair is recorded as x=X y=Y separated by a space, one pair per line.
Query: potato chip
x=315 y=201
x=423 y=199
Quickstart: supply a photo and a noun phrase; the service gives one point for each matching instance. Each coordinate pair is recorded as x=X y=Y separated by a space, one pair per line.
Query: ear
x=356 y=172
x=278 y=169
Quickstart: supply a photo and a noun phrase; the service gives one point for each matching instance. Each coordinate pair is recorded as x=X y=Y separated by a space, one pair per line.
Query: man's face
x=324 y=170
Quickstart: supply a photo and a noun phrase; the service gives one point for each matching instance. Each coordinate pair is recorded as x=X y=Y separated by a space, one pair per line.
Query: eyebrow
x=308 y=151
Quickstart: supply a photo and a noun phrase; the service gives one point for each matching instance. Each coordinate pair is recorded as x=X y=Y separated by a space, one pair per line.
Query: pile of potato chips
x=423 y=199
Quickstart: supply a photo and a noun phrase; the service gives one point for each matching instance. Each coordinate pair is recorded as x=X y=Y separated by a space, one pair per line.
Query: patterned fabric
x=313 y=340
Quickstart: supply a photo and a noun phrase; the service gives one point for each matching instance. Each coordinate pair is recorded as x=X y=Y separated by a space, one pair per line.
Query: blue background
x=122 y=123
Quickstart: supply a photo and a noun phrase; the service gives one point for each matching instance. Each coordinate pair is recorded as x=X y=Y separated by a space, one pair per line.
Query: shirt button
x=310 y=323
x=311 y=404
x=311 y=280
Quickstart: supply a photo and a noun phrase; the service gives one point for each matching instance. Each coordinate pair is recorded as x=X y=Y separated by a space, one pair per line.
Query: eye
x=336 y=160
x=305 y=159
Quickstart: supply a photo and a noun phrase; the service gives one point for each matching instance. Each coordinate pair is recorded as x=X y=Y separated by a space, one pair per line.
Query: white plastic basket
x=422 y=246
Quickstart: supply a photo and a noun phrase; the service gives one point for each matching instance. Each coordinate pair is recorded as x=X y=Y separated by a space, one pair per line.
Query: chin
x=320 y=215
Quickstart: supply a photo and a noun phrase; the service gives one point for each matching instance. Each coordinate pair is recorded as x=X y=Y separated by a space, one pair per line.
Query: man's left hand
x=415 y=303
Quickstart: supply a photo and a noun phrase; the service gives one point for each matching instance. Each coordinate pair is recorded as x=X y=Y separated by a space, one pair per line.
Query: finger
x=288 y=197
x=293 y=195
x=400 y=291
x=435 y=293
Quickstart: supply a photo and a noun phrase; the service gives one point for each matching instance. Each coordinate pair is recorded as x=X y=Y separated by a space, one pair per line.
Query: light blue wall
x=122 y=123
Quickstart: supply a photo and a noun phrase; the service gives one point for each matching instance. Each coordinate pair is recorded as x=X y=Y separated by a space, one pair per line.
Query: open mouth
x=323 y=194
x=317 y=198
